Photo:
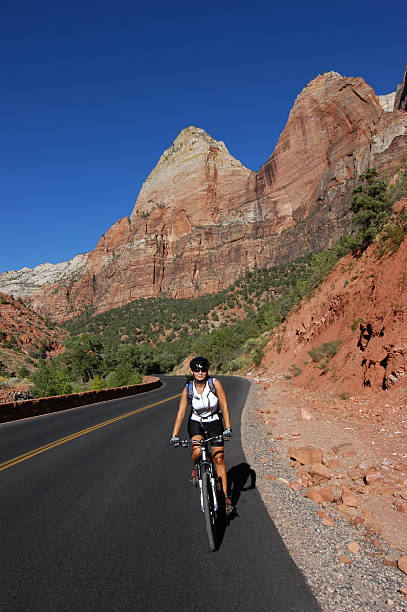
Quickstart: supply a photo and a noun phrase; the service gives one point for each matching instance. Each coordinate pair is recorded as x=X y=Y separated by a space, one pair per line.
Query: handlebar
x=186 y=443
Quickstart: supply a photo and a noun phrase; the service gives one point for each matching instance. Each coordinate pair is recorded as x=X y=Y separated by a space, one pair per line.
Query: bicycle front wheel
x=209 y=512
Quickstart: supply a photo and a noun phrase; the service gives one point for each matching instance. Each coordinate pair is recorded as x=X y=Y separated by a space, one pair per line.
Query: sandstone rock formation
x=27 y=281
x=387 y=101
x=23 y=332
x=400 y=102
x=202 y=218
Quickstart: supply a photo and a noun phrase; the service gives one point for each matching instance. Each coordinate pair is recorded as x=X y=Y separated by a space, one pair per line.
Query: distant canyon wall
x=202 y=218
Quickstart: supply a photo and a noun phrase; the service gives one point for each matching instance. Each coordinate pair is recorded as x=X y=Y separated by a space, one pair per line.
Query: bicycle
x=209 y=487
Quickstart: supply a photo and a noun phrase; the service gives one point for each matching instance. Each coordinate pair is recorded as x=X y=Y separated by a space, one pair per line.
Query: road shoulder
x=340 y=579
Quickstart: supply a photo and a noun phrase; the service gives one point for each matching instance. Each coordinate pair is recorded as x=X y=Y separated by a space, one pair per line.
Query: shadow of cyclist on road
x=241 y=477
x=238 y=480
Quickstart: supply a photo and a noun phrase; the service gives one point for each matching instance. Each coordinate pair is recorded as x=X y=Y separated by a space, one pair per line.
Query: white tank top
x=204 y=403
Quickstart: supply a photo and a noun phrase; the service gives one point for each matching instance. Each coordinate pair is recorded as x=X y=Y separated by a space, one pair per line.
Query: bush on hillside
x=393 y=233
x=83 y=357
x=50 y=380
x=372 y=206
x=124 y=375
x=326 y=350
x=372 y=203
x=23 y=373
x=98 y=383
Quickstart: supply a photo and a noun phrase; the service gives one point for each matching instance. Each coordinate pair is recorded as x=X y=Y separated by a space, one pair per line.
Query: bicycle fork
x=201 y=493
x=214 y=495
x=213 y=487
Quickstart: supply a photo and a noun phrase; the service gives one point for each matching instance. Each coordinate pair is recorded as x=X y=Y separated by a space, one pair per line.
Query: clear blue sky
x=92 y=93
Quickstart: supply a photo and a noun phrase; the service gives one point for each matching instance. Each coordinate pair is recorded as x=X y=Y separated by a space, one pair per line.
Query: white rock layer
x=28 y=280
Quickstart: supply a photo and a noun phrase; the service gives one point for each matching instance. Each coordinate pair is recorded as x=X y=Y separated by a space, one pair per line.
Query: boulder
x=314 y=494
x=349 y=499
x=327 y=494
x=306 y=455
x=318 y=469
x=402 y=563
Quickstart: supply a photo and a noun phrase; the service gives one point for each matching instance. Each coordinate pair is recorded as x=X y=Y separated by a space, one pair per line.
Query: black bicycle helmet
x=200 y=363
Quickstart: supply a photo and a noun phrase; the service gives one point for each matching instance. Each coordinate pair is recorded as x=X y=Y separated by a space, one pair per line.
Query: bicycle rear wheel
x=209 y=512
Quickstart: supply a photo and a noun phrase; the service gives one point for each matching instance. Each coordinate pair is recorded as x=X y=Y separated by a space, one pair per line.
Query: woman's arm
x=223 y=402
x=182 y=408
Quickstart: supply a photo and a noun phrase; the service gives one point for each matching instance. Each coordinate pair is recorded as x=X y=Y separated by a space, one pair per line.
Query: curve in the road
x=111 y=522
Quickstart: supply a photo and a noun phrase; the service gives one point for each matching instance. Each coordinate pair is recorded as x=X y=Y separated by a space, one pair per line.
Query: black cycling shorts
x=206 y=430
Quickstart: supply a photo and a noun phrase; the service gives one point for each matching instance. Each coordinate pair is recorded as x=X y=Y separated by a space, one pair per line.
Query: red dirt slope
x=363 y=304
x=353 y=406
x=24 y=333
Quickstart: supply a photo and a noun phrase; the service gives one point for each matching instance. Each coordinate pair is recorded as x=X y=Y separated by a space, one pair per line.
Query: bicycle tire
x=209 y=513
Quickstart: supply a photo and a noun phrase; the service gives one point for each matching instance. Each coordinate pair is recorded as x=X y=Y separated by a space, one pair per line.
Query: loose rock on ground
x=339 y=547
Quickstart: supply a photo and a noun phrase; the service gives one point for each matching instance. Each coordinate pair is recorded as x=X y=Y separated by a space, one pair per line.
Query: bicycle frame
x=209 y=487
x=206 y=459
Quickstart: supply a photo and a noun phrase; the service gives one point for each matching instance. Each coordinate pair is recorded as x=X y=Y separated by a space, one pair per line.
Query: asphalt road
x=106 y=519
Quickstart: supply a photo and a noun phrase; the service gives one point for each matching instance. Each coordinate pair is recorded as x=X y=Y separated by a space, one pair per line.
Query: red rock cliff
x=202 y=218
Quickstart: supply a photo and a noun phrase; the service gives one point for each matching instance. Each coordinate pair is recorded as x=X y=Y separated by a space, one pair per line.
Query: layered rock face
x=400 y=102
x=202 y=218
x=25 y=331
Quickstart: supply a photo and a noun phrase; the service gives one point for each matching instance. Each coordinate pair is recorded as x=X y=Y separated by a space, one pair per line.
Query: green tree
x=23 y=372
x=372 y=207
x=123 y=375
x=50 y=380
x=83 y=357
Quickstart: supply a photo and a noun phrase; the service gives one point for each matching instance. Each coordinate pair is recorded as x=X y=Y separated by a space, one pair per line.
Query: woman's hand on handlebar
x=175 y=440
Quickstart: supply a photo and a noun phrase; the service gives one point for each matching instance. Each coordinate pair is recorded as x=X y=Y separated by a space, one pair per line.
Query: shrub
x=316 y=353
x=294 y=370
x=123 y=375
x=324 y=366
x=11 y=343
x=326 y=350
x=356 y=324
x=49 y=381
x=394 y=232
x=257 y=355
x=237 y=364
x=249 y=345
x=331 y=348
x=398 y=191
x=98 y=383
x=23 y=372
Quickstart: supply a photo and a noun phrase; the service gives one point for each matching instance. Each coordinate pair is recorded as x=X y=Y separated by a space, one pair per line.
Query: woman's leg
x=196 y=450
x=219 y=461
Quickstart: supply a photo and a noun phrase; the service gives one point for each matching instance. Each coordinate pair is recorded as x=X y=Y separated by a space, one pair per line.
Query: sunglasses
x=198 y=369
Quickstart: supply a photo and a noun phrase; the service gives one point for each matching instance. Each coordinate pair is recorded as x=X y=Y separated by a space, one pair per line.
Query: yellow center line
x=78 y=434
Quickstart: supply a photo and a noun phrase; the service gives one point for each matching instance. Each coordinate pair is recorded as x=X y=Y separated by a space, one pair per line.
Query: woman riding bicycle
x=206 y=396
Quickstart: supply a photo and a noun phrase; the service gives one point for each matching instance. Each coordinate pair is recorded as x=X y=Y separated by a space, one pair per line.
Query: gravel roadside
x=340 y=580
